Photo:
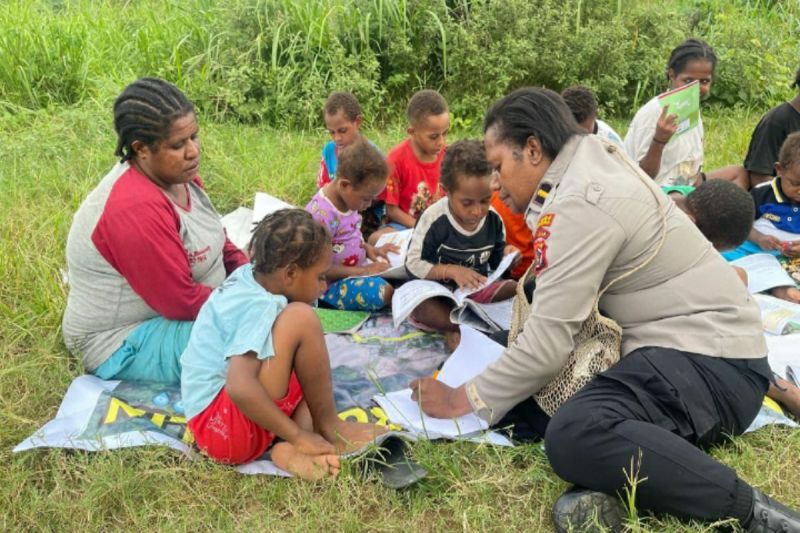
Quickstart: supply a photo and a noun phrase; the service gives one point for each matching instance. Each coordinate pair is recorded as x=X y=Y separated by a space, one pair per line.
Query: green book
x=335 y=321
x=684 y=102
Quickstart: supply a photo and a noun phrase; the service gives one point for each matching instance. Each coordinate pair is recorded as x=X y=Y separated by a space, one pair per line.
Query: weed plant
x=274 y=61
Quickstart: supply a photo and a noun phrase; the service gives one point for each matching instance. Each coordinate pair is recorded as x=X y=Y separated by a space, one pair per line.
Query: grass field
x=49 y=160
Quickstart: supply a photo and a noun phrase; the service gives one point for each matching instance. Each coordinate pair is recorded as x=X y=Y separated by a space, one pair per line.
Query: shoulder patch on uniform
x=593 y=192
x=542 y=192
x=545 y=220
x=540 y=242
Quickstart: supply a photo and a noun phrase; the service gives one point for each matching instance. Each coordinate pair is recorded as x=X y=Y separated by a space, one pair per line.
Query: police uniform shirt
x=773 y=205
x=439 y=239
x=596 y=216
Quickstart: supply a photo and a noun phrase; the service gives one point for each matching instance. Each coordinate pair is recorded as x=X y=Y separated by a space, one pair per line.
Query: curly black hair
x=723 y=212
x=286 y=237
x=581 y=101
x=424 y=104
x=347 y=102
x=790 y=150
x=361 y=162
x=466 y=158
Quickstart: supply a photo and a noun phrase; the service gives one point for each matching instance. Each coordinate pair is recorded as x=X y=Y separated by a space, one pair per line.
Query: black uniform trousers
x=649 y=416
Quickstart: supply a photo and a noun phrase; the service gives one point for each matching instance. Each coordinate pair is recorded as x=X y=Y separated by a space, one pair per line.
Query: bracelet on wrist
x=659 y=141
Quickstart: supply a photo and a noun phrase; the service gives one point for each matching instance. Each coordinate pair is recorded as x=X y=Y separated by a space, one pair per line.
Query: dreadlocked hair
x=690 y=50
x=286 y=237
x=145 y=112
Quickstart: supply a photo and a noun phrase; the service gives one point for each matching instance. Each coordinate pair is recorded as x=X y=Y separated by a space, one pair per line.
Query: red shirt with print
x=412 y=185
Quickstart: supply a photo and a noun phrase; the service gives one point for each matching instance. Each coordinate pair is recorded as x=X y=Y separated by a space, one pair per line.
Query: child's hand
x=509 y=249
x=769 y=242
x=787 y=293
x=375 y=268
x=382 y=252
x=666 y=126
x=790 y=248
x=312 y=444
x=465 y=277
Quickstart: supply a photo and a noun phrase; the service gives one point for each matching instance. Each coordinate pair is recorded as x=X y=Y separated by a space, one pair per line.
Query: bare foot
x=452 y=339
x=351 y=436
x=308 y=467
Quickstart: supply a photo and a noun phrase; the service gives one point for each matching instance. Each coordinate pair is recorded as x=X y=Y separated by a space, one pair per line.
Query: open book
x=397 y=260
x=764 y=272
x=485 y=317
x=780 y=317
x=685 y=103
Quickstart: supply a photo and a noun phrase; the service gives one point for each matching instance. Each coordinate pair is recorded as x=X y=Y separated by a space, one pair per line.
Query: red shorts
x=226 y=435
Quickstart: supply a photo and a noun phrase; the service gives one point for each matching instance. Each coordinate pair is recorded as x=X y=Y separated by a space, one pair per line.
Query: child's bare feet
x=308 y=467
x=351 y=436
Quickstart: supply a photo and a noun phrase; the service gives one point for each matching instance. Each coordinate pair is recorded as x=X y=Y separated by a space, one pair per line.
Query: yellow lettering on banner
x=114 y=407
x=355 y=412
x=382 y=419
x=158 y=419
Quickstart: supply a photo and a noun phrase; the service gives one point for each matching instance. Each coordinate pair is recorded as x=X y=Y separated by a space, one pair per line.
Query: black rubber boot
x=770 y=516
x=588 y=510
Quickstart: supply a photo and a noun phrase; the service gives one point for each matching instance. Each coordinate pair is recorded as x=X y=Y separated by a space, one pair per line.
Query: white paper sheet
x=768 y=228
x=265 y=204
x=474 y=353
x=764 y=272
x=461 y=294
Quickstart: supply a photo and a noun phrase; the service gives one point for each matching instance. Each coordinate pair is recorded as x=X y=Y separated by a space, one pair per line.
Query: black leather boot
x=770 y=516
x=588 y=511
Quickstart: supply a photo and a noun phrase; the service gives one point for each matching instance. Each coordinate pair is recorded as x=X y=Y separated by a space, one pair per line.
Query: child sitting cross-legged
x=459 y=238
x=415 y=163
x=256 y=372
x=361 y=176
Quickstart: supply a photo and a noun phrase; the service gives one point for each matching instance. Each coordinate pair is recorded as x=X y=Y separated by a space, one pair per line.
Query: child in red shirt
x=415 y=163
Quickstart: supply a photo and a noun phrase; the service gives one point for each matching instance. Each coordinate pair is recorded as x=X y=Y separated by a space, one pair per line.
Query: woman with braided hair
x=146 y=247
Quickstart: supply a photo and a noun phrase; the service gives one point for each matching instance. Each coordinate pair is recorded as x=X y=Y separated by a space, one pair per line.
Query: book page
x=265 y=204
x=779 y=316
x=490 y=317
x=685 y=103
x=401 y=239
x=763 y=272
x=783 y=352
x=461 y=294
x=409 y=295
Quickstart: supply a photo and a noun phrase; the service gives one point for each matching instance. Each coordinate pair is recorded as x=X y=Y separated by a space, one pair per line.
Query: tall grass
x=275 y=60
x=50 y=160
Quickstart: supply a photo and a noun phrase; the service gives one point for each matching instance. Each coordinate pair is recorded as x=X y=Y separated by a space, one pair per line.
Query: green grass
x=49 y=160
